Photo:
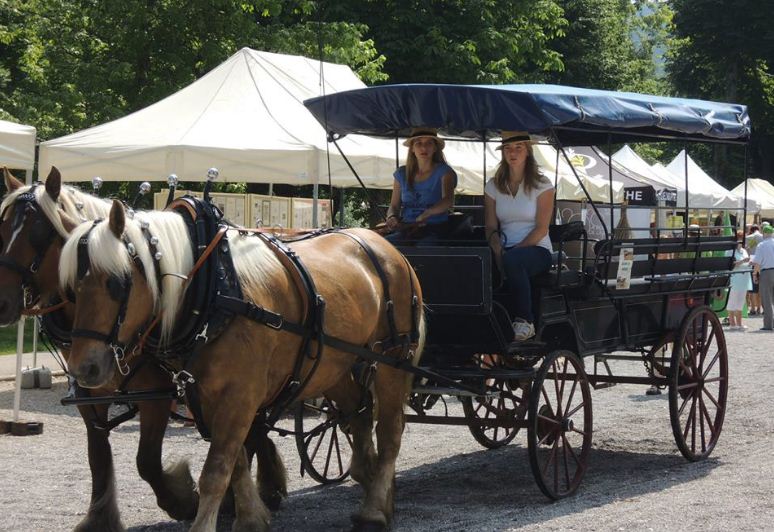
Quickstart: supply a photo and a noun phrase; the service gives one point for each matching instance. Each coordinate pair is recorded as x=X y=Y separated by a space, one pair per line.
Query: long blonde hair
x=533 y=177
x=412 y=165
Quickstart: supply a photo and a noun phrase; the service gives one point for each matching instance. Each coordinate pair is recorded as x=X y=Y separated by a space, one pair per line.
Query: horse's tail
x=422 y=335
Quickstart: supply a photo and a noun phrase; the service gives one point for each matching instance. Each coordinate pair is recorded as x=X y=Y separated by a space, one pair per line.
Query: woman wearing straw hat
x=518 y=203
x=423 y=189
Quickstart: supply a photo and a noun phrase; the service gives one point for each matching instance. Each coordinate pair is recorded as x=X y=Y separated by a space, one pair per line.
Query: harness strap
x=385 y=285
x=45 y=310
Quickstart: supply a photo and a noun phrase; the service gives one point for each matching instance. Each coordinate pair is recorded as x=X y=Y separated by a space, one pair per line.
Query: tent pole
x=315 y=199
x=17 y=387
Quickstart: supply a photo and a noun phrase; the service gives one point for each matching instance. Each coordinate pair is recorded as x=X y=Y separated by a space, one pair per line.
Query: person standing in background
x=763 y=264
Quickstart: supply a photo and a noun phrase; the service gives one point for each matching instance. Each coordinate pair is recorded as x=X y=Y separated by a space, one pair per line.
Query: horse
x=367 y=292
x=34 y=224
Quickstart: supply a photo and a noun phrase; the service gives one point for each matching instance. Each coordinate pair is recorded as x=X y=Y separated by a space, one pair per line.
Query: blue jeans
x=520 y=264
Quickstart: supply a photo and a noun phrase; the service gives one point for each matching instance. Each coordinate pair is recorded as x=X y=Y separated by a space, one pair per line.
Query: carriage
x=646 y=296
x=619 y=298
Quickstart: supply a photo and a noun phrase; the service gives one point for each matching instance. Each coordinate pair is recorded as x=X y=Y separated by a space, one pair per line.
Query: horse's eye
x=115 y=287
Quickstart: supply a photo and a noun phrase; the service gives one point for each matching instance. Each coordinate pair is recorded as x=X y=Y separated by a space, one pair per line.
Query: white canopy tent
x=699 y=180
x=17 y=150
x=762 y=191
x=17 y=146
x=245 y=117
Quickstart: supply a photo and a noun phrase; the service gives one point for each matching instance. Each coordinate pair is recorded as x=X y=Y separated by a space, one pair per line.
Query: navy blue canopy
x=571 y=115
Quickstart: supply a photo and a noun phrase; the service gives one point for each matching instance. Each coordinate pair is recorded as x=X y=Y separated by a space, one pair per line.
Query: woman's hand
x=422 y=217
x=392 y=222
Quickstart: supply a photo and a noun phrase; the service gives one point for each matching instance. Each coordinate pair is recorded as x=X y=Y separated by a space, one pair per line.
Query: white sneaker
x=522 y=330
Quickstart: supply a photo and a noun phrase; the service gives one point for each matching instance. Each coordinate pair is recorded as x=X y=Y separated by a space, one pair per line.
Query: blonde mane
x=108 y=254
x=77 y=205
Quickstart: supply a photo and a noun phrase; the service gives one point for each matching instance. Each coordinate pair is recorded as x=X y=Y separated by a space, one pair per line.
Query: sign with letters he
x=640 y=195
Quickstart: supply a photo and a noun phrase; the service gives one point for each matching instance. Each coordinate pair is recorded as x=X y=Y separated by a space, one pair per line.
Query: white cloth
x=736 y=300
x=764 y=254
x=517 y=214
x=740 y=279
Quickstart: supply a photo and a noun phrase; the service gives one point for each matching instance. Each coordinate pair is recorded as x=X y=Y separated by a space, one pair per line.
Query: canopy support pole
x=354 y=172
x=583 y=187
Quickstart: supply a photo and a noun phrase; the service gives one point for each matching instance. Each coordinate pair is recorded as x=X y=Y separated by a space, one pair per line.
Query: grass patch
x=8 y=339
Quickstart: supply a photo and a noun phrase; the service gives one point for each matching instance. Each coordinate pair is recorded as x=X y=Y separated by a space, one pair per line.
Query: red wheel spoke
x=549 y=419
x=566 y=463
x=556 y=387
x=556 y=466
x=560 y=393
x=551 y=454
x=706 y=415
x=701 y=427
x=581 y=432
x=689 y=421
x=572 y=393
x=545 y=396
x=715 y=379
x=714 y=401
x=687 y=386
x=572 y=451
x=704 y=351
x=710 y=365
x=682 y=406
x=317 y=447
x=338 y=452
x=572 y=412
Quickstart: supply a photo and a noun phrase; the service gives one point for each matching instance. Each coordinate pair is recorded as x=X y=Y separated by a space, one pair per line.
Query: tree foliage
x=724 y=50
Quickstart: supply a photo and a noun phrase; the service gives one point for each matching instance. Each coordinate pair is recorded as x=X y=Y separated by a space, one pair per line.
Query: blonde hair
x=532 y=174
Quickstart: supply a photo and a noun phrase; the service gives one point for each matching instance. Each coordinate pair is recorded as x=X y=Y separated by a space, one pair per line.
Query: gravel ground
x=446 y=481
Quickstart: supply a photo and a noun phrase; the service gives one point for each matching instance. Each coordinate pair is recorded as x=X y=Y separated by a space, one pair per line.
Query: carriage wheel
x=698 y=384
x=659 y=355
x=323 y=440
x=559 y=424
x=507 y=406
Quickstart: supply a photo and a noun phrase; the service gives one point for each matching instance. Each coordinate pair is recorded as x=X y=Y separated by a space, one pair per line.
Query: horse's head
x=32 y=231
x=110 y=270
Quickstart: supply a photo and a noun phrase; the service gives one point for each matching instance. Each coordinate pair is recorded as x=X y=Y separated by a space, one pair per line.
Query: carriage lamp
x=212 y=175
x=96 y=183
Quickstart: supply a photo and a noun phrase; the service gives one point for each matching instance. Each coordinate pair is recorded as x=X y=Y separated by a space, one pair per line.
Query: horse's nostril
x=92 y=371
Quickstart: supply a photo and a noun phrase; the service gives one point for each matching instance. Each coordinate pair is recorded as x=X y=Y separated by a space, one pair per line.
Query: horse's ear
x=68 y=223
x=117 y=218
x=54 y=183
x=11 y=183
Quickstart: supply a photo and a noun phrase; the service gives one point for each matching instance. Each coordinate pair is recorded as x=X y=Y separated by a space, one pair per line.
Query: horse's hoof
x=360 y=524
x=273 y=501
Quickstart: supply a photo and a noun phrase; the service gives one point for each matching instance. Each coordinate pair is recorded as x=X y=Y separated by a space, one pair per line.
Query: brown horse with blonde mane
x=369 y=290
x=35 y=222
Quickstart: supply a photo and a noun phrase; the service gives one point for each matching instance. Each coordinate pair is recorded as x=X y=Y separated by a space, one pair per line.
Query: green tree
x=723 y=50
x=459 y=41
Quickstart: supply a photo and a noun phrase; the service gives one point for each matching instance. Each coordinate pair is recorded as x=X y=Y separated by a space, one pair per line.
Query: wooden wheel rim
x=560 y=398
x=324 y=446
x=698 y=384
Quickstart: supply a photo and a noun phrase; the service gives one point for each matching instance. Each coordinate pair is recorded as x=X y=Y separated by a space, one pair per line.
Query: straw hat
x=419 y=132
x=513 y=136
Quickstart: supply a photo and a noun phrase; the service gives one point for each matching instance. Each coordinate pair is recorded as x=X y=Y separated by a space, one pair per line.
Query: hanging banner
x=668 y=196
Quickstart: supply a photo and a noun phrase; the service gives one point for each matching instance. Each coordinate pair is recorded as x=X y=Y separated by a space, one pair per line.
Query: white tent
x=17 y=146
x=762 y=191
x=698 y=180
x=245 y=117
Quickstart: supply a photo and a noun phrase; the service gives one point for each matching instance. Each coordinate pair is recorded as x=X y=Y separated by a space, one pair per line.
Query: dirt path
x=446 y=481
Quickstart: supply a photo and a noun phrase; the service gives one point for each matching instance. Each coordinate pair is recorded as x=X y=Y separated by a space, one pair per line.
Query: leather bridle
x=26 y=205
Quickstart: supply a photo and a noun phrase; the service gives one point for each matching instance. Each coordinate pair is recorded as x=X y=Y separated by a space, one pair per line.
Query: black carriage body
x=578 y=310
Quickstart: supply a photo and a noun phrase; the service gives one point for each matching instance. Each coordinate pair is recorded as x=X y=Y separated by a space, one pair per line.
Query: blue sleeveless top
x=425 y=194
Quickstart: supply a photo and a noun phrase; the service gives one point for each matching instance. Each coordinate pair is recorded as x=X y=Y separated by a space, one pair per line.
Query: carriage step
x=486 y=373
x=445 y=390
